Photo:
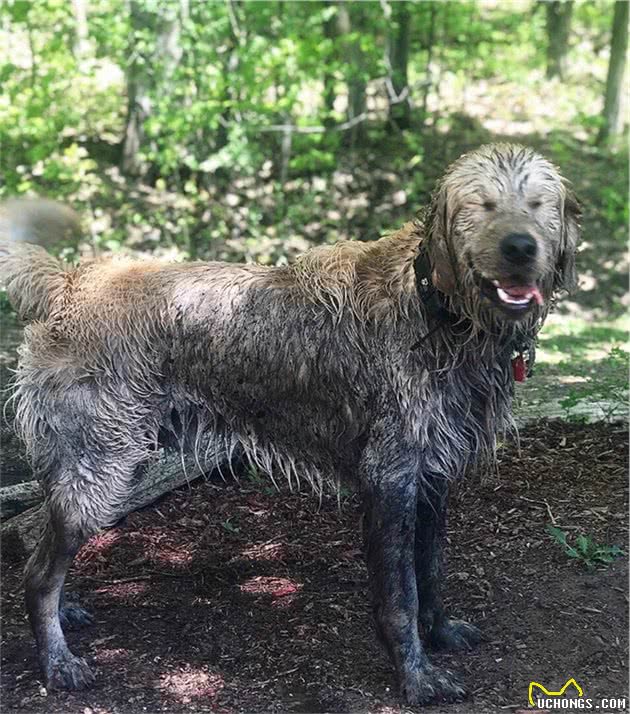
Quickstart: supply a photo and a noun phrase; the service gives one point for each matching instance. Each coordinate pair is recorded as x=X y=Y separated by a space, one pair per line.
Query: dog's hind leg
x=79 y=502
x=71 y=613
x=44 y=577
x=442 y=632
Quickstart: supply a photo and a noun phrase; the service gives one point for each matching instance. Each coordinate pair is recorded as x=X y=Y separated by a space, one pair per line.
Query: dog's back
x=117 y=346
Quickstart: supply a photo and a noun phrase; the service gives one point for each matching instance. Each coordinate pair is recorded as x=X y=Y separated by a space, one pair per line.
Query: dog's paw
x=453 y=635
x=68 y=672
x=431 y=684
x=73 y=615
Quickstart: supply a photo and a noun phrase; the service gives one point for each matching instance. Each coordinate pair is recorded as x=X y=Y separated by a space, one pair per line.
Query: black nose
x=519 y=248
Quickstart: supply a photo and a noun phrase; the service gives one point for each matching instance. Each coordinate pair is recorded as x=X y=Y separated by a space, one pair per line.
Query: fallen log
x=20 y=534
x=19 y=497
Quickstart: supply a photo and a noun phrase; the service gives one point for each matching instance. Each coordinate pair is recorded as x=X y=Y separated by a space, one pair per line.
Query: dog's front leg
x=430 y=536
x=390 y=488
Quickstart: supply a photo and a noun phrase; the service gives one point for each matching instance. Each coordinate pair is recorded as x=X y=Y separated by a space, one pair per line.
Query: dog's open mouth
x=513 y=298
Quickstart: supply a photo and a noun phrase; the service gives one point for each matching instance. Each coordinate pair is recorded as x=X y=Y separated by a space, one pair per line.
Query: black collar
x=434 y=301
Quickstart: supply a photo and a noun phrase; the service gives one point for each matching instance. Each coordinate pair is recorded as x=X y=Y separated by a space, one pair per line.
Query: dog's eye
x=535 y=204
x=489 y=205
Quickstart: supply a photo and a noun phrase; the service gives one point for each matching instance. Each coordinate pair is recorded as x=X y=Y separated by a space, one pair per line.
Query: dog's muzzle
x=514 y=288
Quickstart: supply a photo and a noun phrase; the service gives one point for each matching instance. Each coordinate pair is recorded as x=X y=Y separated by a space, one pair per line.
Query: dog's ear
x=566 y=274
x=439 y=234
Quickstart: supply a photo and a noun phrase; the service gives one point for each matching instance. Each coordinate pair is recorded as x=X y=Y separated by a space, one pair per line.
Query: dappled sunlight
x=263 y=551
x=98 y=547
x=164 y=546
x=266 y=585
x=174 y=557
x=113 y=655
x=571 y=379
x=579 y=340
x=517 y=108
x=192 y=684
x=124 y=591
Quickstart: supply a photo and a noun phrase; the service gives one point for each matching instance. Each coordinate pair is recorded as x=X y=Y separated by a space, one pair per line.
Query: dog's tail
x=34 y=279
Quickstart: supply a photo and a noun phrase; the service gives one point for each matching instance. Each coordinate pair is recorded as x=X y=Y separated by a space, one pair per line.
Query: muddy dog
x=388 y=364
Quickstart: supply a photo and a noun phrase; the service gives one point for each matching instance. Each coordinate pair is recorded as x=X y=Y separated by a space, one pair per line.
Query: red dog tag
x=519 y=367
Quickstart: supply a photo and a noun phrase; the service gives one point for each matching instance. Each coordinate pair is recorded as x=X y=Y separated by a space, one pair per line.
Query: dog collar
x=433 y=300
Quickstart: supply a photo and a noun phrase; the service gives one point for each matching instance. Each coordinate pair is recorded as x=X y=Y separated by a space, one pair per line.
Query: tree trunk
x=558 y=26
x=428 y=79
x=21 y=533
x=139 y=85
x=19 y=497
x=354 y=59
x=330 y=33
x=138 y=111
x=32 y=50
x=612 y=115
x=399 y=100
x=148 y=76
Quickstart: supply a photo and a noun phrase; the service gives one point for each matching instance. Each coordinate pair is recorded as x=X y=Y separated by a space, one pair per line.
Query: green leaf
x=584 y=544
x=557 y=534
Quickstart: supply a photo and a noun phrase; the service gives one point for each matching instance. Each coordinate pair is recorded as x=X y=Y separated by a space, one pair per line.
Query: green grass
x=568 y=342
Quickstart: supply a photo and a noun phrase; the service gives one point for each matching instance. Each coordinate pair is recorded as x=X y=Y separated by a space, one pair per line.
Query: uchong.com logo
x=570 y=697
x=569 y=683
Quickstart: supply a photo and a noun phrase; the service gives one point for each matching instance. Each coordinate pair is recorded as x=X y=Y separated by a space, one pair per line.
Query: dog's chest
x=463 y=408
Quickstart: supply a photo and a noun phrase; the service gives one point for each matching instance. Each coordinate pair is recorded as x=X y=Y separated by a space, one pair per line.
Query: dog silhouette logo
x=547 y=692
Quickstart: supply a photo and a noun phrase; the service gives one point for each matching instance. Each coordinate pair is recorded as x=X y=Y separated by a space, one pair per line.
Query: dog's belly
x=276 y=378
x=299 y=435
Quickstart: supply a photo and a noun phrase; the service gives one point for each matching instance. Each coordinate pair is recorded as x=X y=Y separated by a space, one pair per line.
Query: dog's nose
x=519 y=248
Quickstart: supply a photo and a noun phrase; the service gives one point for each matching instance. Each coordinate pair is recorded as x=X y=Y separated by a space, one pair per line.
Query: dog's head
x=503 y=230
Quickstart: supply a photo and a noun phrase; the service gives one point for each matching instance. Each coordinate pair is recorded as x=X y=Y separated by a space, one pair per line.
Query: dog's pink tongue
x=530 y=291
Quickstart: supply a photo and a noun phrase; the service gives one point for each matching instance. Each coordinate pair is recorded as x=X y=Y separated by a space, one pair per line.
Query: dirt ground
x=226 y=598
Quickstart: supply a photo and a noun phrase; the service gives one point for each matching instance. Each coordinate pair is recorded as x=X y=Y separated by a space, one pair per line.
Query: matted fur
x=307 y=369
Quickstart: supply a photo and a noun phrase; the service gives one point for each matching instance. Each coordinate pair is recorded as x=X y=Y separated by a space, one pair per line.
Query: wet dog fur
x=332 y=369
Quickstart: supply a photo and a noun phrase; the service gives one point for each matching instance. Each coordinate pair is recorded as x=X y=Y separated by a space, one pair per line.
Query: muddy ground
x=226 y=599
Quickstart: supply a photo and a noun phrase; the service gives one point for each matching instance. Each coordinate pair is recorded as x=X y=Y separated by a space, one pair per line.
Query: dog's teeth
x=522 y=300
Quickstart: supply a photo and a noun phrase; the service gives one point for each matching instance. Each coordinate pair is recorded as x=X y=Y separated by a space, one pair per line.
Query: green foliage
x=215 y=84
x=229 y=526
x=259 y=481
x=585 y=550
x=213 y=76
x=614 y=204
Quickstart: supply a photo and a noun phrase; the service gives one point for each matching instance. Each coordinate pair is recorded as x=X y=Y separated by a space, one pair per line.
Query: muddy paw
x=431 y=684
x=72 y=615
x=68 y=672
x=454 y=635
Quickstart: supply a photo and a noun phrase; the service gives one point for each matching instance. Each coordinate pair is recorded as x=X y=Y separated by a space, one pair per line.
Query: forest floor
x=235 y=598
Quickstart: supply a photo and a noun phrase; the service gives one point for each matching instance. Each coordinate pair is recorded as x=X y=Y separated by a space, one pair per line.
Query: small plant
x=586 y=549
x=229 y=526
x=259 y=481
